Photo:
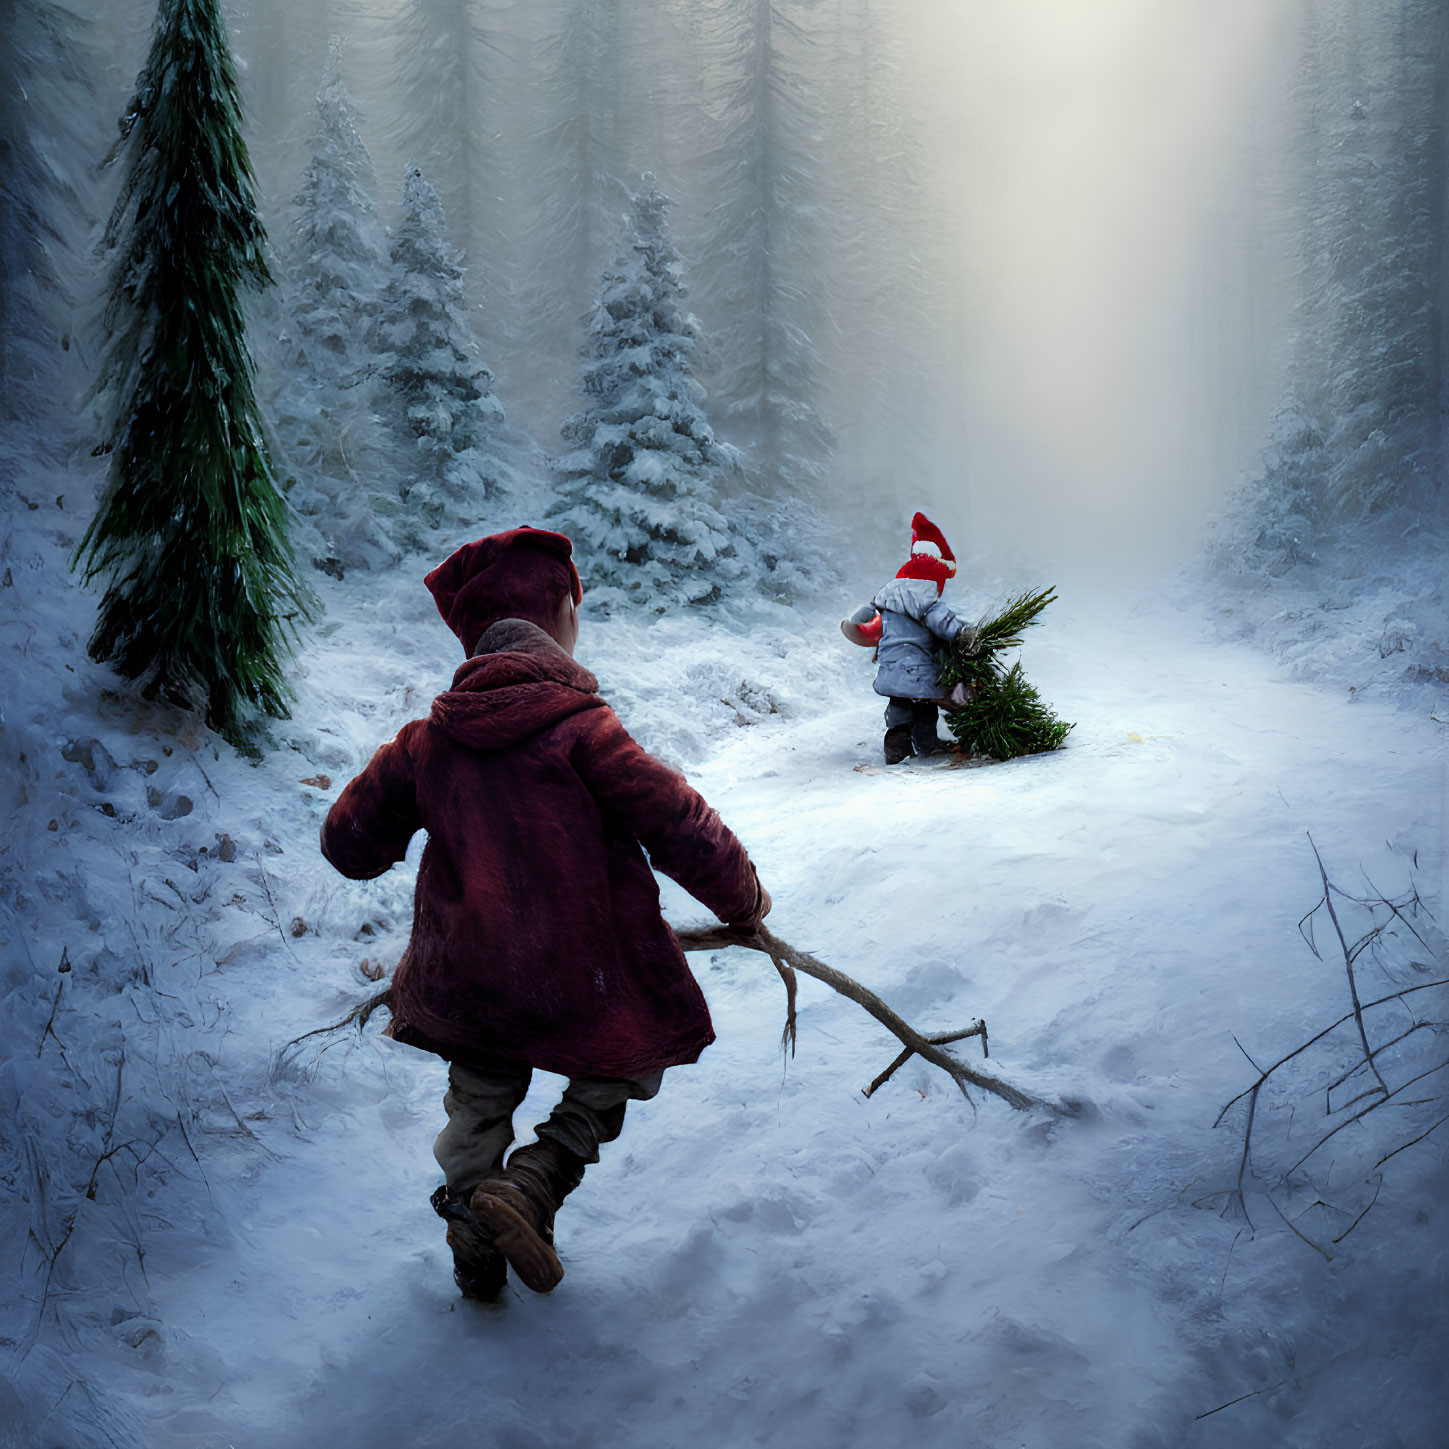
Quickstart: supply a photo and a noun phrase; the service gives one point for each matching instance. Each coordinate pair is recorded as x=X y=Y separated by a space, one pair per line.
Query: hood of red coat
x=518 y=683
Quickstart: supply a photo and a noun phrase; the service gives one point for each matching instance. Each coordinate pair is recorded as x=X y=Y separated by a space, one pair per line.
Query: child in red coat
x=537 y=940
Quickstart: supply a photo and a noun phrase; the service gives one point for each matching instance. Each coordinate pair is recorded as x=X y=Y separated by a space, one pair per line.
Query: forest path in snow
x=765 y=1255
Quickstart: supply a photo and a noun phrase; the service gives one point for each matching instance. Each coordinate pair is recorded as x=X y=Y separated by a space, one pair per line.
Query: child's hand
x=754 y=922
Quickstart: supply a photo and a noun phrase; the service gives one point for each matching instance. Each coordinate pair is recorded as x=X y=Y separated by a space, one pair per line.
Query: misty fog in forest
x=1050 y=271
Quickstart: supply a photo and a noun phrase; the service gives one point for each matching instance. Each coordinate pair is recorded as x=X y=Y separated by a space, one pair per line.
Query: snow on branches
x=324 y=415
x=338 y=237
x=639 y=490
x=441 y=390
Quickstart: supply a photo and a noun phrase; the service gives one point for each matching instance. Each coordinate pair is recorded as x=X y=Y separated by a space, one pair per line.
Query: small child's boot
x=898 y=744
x=924 y=739
x=479 y=1269
x=516 y=1208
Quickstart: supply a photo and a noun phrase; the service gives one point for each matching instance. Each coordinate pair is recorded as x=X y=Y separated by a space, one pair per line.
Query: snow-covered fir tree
x=442 y=393
x=322 y=383
x=1378 y=255
x=191 y=533
x=338 y=245
x=638 y=492
x=1355 y=468
x=1368 y=370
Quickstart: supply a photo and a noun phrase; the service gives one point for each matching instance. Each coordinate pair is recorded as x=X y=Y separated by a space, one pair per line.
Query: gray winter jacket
x=913 y=617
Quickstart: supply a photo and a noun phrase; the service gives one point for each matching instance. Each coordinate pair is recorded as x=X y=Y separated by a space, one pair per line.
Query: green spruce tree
x=191 y=532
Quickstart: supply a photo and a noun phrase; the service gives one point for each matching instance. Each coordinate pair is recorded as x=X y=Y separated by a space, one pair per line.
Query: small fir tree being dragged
x=191 y=530
x=639 y=490
x=1004 y=715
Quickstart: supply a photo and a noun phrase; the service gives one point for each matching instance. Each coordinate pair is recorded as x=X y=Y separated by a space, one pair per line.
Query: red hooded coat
x=537 y=935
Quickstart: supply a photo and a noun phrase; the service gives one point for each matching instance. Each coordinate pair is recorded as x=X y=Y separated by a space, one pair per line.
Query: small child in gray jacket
x=904 y=621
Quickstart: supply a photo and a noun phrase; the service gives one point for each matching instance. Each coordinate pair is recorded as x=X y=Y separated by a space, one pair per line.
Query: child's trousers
x=480 y=1104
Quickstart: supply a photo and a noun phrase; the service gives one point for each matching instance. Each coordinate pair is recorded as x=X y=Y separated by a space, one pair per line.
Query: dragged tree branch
x=788 y=961
x=931 y=1048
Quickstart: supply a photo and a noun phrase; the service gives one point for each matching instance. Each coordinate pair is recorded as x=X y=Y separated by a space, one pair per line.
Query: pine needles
x=1005 y=716
x=202 y=596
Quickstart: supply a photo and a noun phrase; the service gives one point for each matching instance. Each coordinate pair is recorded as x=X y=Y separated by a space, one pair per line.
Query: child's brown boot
x=516 y=1208
x=479 y=1269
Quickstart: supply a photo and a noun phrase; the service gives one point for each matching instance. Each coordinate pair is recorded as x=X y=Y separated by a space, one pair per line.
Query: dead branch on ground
x=789 y=960
x=55 y=1006
x=1387 y=1058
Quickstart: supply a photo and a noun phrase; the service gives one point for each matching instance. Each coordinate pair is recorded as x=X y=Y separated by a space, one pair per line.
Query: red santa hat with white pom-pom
x=931 y=557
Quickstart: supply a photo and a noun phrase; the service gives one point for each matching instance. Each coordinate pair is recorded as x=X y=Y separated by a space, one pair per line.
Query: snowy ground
x=219 y=1245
